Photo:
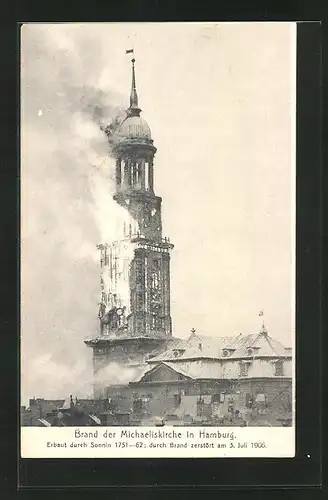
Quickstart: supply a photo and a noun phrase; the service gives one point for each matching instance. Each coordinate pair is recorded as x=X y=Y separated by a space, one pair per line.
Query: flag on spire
x=261 y=313
x=129 y=51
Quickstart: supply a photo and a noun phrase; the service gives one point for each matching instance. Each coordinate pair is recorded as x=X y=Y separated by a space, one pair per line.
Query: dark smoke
x=99 y=106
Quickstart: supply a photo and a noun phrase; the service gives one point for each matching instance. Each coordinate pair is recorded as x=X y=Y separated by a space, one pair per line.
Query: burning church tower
x=134 y=310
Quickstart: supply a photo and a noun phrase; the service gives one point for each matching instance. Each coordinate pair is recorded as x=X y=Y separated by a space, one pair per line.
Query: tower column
x=133 y=172
x=118 y=172
x=151 y=175
x=127 y=177
x=143 y=173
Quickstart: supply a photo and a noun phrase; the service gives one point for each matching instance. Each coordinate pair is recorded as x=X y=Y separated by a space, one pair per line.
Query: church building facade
x=204 y=378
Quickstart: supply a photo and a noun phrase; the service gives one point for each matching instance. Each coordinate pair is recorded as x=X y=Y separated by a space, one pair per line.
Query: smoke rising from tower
x=67 y=187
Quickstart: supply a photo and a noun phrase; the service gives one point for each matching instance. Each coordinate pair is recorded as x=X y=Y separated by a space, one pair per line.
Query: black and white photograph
x=158 y=238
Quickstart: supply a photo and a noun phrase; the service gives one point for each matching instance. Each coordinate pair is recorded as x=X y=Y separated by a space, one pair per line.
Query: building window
x=139 y=272
x=155 y=280
x=138 y=405
x=156 y=264
x=139 y=297
x=249 y=400
x=147 y=175
x=243 y=369
x=137 y=172
x=158 y=323
x=106 y=258
x=155 y=322
x=177 y=400
x=279 y=368
x=126 y=269
x=261 y=398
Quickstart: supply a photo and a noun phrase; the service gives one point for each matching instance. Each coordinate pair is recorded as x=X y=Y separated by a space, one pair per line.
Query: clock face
x=119 y=312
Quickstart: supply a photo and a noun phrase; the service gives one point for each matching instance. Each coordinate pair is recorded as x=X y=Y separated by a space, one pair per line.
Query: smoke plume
x=66 y=200
x=114 y=373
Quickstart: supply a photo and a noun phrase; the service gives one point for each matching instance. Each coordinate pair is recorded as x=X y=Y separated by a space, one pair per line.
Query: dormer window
x=251 y=351
x=178 y=352
x=227 y=351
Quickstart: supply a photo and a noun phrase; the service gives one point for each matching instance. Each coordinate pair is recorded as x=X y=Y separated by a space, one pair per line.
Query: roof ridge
x=267 y=338
x=168 y=363
x=258 y=335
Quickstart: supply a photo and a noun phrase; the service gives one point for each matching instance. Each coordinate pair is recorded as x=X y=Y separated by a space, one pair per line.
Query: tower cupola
x=134 y=129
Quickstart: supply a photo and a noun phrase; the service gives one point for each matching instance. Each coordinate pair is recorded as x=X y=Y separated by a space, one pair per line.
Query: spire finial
x=134 y=95
x=263 y=330
x=134 y=109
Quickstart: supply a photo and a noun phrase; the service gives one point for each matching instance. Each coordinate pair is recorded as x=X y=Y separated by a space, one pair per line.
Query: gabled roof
x=170 y=366
x=240 y=346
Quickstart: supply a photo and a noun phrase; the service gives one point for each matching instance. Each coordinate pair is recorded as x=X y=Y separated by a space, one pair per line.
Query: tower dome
x=134 y=127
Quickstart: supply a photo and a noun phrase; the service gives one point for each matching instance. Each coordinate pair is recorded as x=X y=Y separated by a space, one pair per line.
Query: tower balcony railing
x=138 y=236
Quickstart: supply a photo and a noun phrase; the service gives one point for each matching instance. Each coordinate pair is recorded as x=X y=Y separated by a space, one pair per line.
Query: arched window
x=147 y=175
x=155 y=280
x=243 y=369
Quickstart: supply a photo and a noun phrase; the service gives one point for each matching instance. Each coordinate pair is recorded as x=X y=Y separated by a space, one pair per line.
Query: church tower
x=134 y=309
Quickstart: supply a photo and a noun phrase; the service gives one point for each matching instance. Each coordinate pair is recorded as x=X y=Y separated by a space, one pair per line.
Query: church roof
x=193 y=370
x=240 y=346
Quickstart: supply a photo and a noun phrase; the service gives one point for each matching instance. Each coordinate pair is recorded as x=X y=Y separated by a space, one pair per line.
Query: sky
x=220 y=102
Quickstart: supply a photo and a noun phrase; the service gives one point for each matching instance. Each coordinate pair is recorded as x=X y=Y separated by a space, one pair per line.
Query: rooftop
x=240 y=346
